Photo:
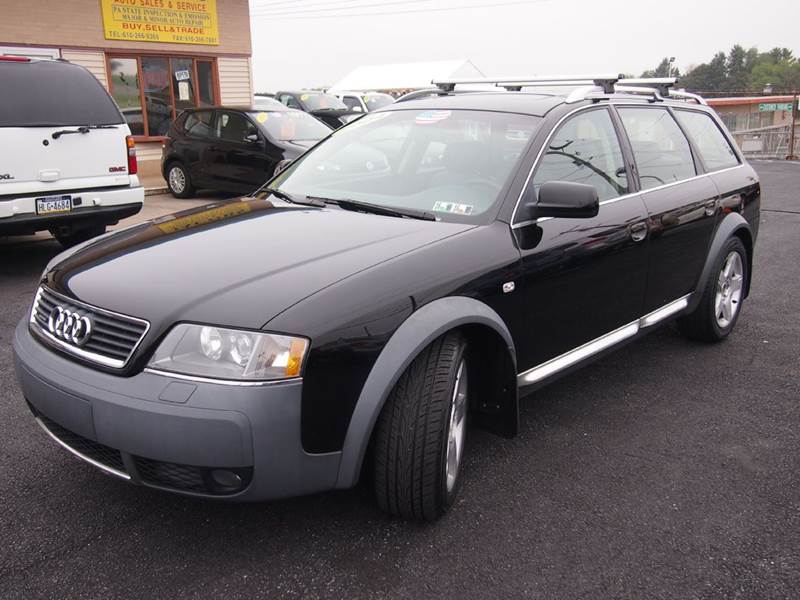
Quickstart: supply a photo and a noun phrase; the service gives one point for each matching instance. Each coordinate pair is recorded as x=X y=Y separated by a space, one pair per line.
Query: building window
x=152 y=90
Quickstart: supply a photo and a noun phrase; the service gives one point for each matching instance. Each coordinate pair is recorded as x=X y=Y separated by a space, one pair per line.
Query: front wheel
x=723 y=294
x=421 y=433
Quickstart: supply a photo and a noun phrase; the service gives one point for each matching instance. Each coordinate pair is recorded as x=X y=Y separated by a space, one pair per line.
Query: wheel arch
x=483 y=328
x=732 y=225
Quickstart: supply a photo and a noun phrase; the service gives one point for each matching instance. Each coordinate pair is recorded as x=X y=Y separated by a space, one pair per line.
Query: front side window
x=585 y=150
x=452 y=163
x=714 y=149
x=661 y=150
x=233 y=127
x=290 y=101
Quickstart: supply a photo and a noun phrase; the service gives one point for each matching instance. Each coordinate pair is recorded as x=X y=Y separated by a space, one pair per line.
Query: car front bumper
x=173 y=434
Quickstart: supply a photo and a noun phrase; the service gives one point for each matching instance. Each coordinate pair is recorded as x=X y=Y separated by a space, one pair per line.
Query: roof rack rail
x=603 y=80
x=592 y=86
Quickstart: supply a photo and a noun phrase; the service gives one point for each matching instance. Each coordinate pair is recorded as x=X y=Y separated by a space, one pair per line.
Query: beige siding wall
x=95 y=62
x=80 y=23
x=235 y=81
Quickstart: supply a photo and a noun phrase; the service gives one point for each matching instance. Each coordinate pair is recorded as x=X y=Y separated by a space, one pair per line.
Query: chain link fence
x=768 y=142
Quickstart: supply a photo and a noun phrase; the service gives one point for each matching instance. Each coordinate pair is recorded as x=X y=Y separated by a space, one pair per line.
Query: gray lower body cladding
x=171 y=434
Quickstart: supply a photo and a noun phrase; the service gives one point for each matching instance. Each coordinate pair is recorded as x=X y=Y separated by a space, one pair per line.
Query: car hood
x=238 y=263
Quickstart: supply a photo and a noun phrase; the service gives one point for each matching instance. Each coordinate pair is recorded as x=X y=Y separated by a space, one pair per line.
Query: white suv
x=67 y=159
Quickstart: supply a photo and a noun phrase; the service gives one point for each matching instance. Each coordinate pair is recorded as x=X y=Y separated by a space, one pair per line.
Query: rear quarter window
x=50 y=93
x=714 y=149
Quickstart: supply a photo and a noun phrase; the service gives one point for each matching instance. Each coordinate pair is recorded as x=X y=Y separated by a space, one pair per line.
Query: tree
x=737 y=75
x=664 y=69
x=707 y=77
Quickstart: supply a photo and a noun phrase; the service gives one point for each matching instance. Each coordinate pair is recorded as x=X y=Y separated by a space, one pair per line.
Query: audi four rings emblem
x=69 y=326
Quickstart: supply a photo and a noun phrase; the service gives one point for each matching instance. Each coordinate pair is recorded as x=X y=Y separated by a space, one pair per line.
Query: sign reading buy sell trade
x=176 y=21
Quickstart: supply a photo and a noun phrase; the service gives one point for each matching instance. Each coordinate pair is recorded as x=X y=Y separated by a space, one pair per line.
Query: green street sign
x=774 y=106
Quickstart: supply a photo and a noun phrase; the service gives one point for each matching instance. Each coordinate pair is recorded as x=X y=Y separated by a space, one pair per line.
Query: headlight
x=218 y=353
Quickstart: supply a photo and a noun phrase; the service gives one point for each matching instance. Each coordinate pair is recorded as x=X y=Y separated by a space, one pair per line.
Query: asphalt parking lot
x=669 y=469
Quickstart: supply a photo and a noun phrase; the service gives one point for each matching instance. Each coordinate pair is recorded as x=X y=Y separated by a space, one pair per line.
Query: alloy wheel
x=730 y=284
x=457 y=427
x=177 y=180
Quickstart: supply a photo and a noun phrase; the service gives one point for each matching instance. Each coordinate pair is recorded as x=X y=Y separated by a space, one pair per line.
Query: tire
x=421 y=433
x=723 y=295
x=72 y=237
x=178 y=180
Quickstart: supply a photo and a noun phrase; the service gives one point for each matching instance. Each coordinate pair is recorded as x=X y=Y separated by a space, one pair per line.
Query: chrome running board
x=559 y=363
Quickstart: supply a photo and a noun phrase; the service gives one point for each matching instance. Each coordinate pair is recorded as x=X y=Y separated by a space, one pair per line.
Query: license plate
x=53 y=204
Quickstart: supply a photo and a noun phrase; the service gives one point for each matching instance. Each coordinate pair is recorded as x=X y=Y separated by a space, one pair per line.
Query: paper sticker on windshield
x=304 y=97
x=432 y=116
x=453 y=208
x=261 y=117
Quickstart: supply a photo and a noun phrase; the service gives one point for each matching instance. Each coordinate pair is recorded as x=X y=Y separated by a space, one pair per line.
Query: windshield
x=321 y=102
x=49 y=93
x=376 y=101
x=452 y=163
x=291 y=125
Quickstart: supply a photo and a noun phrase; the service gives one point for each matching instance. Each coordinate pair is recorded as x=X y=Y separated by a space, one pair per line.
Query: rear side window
x=662 y=152
x=585 y=150
x=198 y=124
x=714 y=149
x=55 y=94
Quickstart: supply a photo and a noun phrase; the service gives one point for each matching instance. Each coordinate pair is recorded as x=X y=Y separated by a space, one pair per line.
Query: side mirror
x=251 y=138
x=564 y=199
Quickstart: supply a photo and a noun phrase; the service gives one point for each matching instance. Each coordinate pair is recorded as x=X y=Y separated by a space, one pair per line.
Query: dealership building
x=155 y=57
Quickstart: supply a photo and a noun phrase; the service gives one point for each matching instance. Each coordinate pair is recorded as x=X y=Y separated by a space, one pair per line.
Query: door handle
x=711 y=208
x=638 y=231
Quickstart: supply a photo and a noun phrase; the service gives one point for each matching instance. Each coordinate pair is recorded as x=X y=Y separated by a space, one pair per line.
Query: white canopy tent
x=405 y=76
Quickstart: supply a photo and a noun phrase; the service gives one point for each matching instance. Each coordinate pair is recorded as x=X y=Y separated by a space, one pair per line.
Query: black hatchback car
x=343 y=321
x=234 y=149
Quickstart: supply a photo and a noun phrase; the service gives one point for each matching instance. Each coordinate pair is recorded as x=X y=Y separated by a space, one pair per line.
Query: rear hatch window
x=51 y=94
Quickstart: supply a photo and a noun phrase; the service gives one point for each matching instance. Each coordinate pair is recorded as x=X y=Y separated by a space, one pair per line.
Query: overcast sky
x=299 y=49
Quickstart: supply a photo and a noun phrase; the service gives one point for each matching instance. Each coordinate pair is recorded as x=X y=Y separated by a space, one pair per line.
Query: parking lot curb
x=152 y=191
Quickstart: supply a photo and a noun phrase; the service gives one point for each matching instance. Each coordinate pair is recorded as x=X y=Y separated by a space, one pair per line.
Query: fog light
x=226 y=479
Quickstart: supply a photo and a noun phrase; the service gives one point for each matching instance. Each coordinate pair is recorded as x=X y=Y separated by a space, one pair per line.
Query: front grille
x=113 y=338
x=90 y=449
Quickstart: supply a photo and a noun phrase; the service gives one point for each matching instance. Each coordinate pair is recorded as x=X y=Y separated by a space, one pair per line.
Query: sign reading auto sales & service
x=176 y=21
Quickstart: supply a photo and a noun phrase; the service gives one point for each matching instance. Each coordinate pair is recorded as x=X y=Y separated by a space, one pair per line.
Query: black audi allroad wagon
x=416 y=272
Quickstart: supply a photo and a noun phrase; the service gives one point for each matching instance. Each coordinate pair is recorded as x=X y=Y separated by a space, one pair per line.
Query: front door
x=240 y=160
x=584 y=278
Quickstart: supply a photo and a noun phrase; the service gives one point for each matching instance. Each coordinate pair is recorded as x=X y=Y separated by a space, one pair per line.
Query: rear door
x=584 y=278
x=682 y=206
x=59 y=130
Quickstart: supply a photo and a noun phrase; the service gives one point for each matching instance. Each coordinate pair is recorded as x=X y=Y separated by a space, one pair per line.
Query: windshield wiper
x=378 y=209
x=289 y=198
x=81 y=129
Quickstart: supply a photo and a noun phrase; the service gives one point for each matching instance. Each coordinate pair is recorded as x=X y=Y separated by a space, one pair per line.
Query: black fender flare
x=731 y=225
x=413 y=335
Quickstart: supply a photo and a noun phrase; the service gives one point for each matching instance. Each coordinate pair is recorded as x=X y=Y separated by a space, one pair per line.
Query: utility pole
x=792 y=155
